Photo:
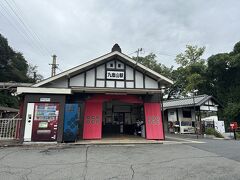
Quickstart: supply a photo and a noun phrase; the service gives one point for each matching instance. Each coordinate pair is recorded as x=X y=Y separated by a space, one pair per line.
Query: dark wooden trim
x=125 y=75
x=85 y=79
x=177 y=115
x=144 y=80
x=115 y=69
x=134 y=78
x=95 y=77
x=105 y=81
x=68 y=82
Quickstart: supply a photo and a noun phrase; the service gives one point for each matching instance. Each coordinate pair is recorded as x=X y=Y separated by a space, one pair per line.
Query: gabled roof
x=99 y=60
x=188 y=102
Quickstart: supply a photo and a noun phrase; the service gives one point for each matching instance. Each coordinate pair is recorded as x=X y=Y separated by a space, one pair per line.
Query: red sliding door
x=153 y=121
x=92 y=127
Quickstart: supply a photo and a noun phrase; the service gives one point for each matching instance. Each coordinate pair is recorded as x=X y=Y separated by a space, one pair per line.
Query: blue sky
x=78 y=31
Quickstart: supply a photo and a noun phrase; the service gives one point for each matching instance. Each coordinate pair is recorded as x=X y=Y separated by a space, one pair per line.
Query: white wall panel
x=150 y=83
x=77 y=80
x=172 y=115
x=101 y=71
x=110 y=83
x=138 y=79
x=129 y=73
x=100 y=83
x=90 y=78
x=119 y=65
x=129 y=84
x=111 y=64
x=120 y=84
x=59 y=83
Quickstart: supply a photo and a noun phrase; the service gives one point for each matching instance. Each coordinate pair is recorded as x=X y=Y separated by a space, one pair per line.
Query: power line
x=19 y=11
x=6 y=14
x=23 y=27
x=21 y=22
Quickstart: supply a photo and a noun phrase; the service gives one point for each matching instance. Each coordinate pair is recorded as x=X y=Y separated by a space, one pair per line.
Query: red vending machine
x=45 y=122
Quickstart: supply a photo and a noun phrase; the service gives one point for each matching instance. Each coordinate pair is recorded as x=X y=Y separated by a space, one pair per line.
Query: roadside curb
x=75 y=144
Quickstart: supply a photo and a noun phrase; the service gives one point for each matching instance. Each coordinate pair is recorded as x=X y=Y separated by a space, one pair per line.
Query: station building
x=104 y=96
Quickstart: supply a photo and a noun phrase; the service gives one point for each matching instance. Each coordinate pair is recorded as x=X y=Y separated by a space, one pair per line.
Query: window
x=186 y=123
x=111 y=65
x=171 y=112
x=187 y=114
x=119 y=65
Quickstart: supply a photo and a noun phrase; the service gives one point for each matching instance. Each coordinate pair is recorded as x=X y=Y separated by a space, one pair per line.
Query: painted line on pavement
x=186 y=140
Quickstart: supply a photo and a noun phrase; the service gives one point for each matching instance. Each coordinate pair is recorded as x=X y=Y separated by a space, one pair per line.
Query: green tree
x=151 y=62
x=13 y=68
x=223 y=77
x=191 y=56
x=192 y=72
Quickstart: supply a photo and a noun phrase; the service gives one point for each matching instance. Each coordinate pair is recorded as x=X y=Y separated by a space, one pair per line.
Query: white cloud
x=78 y=31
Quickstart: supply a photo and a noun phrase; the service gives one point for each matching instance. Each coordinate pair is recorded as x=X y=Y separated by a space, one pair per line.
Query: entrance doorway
x=119 y=119
x=122 y=119
x=105 y=114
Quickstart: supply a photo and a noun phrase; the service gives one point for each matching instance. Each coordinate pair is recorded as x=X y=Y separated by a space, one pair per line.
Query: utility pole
x=138 y=51
x=34 y=76
x=194 y=106
x=54 y=65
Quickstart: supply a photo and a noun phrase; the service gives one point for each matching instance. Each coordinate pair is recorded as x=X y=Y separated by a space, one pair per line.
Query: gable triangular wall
x=115 y=71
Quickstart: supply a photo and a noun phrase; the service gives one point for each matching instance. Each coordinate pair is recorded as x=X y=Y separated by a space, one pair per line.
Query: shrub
x=238 y=135
x=212 y=131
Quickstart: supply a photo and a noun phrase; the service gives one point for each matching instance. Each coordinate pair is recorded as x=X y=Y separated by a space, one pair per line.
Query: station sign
x=45 y=99
x=118 y=75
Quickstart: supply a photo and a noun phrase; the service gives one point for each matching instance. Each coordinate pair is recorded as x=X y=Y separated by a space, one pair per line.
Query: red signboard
x=153 y=119
x=233 y=125
x=92 y=127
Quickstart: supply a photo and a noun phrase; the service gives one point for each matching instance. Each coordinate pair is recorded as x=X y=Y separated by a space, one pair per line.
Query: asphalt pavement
x=180 y=159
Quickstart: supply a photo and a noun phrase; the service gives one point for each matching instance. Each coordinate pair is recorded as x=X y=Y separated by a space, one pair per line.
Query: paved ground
x=180 y=159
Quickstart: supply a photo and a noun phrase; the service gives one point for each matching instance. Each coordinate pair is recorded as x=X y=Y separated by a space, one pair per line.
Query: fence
x=9 y=128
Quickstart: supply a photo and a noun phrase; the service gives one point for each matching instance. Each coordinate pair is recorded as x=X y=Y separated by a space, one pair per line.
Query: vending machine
x=45 y=122
x=71 y=121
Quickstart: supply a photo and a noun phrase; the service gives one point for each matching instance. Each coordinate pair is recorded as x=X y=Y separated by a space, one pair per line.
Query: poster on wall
x=46 y=112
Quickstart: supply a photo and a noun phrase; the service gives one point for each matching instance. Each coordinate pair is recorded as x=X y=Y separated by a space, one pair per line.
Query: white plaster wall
x=100 y=83
x=181 y=118
x=110 y=83
x=120 y=84
x=129 y=84
x=129 y=73
x=101 y=71
x=77 y=80
x=110 y=62
x=138 y=79
x=173 y=117
x=150 y=83
x=90 y=78
x=59 y=83
x=121 y=65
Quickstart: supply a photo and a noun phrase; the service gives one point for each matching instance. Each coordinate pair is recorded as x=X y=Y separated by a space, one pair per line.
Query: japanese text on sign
x=115 y=75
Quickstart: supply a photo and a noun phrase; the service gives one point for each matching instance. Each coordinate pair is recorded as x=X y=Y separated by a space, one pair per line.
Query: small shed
x=7 y=112
x=186 y=115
